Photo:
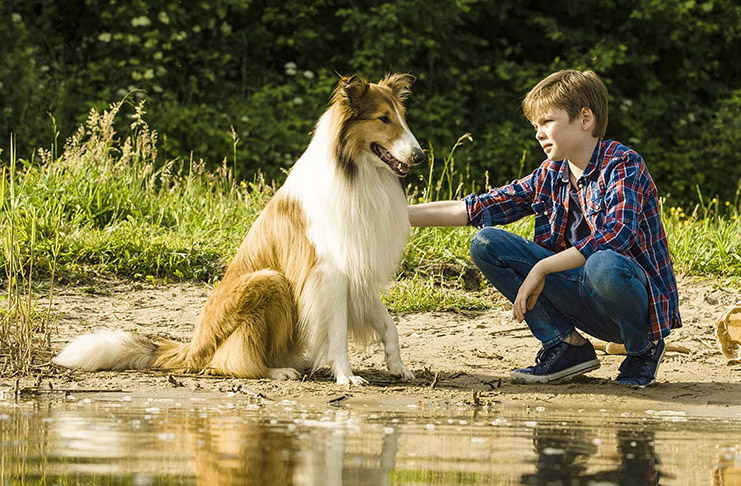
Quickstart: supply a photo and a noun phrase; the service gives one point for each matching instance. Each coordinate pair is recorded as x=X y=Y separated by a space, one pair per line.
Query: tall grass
x=24 y=331
x=708 y=240
x=111 y=207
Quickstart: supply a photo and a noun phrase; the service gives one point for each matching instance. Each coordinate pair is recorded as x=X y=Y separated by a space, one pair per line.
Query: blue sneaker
x=558 y=362
x=641 y=370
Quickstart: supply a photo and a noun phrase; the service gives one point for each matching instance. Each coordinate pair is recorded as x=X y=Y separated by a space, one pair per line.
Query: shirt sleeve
x=621 y=205
x=504 y=204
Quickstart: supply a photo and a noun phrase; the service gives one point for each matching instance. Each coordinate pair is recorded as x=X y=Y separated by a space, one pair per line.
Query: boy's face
x=560 y=137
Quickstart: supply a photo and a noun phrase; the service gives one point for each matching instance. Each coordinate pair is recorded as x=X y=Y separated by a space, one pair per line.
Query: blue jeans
x=606 y=298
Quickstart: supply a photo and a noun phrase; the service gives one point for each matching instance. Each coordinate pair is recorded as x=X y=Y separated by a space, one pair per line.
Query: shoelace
x=546 y=355
x=637 y=365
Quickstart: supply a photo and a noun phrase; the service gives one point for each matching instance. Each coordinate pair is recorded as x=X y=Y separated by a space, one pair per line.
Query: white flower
x=290 y=68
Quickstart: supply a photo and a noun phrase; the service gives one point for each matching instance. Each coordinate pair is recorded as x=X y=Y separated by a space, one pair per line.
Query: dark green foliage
x=267 y=68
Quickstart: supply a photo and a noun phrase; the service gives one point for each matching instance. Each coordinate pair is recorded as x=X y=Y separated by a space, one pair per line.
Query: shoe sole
x=575 y=370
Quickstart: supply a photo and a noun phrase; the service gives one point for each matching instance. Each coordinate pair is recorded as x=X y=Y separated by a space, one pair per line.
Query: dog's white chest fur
x=358 y=225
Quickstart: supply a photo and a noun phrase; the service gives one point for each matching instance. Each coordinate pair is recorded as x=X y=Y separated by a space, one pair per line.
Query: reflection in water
x=225 y=452
x=221 y=442
x=563 y=457
x=727 y=472
x=561 y=454
x=638 y=458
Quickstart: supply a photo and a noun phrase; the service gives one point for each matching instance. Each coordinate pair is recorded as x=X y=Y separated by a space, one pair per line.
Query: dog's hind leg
x=248 y=323
x=378 y=316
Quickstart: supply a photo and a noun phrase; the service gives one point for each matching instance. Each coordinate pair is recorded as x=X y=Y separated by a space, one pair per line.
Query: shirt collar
x=563 y=171
x=596 y=157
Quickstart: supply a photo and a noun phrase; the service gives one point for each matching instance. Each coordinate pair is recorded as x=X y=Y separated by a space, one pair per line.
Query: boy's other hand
x=529 y=292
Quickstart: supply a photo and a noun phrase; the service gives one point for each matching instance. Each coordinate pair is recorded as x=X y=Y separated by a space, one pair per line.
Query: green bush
x=266 y=69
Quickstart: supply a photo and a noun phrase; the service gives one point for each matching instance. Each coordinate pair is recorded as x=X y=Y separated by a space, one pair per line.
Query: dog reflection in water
x=229 y=453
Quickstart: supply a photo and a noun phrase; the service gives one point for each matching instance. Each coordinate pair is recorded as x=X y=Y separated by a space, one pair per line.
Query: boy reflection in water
x=563 y=458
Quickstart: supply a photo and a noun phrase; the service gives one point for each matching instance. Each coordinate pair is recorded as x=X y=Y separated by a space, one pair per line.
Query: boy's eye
x=385 y=119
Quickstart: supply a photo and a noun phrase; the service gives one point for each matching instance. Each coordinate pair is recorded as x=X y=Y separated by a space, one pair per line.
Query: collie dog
x=308 y=273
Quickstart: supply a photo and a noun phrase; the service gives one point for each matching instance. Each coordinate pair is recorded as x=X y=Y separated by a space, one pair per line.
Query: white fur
x=359 y=228
x=108 y=350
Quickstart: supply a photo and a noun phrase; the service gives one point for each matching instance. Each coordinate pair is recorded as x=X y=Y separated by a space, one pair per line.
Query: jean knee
x=482 y=243
x=607 y=269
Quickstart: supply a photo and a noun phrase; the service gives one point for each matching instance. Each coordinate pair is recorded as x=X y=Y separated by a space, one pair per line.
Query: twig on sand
x=36 y=391
x=337 y=401
x=434 y=380
x=615 y=348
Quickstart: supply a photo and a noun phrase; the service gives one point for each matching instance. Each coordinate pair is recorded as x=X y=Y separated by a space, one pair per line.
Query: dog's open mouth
x=396 y=165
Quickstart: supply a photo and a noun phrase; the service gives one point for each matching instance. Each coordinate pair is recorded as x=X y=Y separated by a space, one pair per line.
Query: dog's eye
x=385 y=119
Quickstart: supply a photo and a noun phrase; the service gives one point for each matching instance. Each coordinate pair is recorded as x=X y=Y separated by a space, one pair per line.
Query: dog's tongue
x=389 y=159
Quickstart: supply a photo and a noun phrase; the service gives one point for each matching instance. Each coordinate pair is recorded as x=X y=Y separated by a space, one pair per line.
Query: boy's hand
x=529 y=292
x=535 y=281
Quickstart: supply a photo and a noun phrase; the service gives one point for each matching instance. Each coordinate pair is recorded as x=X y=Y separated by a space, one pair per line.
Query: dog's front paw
x=283 y=374
x=398 y=370
x=210 y=372
x=351 y=380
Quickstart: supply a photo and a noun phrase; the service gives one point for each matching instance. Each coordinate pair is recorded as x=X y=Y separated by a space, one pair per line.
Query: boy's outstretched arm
x=440 y=213
x=533 y=284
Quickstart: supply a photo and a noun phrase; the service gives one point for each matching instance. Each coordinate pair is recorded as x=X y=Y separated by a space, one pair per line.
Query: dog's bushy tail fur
x=251 y=328
x=109 y=350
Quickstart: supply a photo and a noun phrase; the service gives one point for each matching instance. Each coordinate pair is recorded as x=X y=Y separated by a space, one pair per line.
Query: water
x=237 y=439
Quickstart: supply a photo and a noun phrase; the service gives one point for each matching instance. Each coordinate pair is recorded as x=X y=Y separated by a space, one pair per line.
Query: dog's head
x=372 y=122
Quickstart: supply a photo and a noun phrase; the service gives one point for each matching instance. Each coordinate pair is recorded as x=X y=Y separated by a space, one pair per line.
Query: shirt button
x=581 y=184
x=546 y=213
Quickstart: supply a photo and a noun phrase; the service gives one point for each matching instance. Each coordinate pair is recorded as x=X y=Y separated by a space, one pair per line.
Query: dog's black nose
x=418 y=156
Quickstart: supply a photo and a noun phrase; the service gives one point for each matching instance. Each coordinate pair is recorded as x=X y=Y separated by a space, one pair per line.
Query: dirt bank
x=461 y=353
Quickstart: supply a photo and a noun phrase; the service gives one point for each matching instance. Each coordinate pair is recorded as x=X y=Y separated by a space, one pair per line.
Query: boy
x=599 y=261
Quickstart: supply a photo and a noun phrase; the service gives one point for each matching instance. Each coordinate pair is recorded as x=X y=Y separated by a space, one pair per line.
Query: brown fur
x=249 y=324
x=249 y=321
x=359 y=106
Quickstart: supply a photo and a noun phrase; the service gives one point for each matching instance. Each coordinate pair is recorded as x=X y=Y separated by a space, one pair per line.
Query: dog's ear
x=353 y=88
x=399 y=84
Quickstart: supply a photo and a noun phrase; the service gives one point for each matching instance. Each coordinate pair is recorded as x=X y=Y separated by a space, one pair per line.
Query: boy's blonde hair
x=571 y=91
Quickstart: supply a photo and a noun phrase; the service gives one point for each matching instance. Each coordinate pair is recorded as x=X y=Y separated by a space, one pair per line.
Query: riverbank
x=462 y=357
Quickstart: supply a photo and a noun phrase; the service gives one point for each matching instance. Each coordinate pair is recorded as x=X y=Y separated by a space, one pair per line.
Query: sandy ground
x=456 y=357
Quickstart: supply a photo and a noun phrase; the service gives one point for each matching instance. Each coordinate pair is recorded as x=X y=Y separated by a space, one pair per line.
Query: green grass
x=112 y=207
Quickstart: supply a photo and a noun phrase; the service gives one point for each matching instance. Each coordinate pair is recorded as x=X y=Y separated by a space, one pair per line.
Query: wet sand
x=462 y=357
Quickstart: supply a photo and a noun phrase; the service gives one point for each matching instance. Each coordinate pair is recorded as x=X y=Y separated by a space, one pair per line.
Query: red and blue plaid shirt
x=620 y=204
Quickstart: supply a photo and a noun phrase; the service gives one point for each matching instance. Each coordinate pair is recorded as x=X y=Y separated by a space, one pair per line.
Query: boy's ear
x=587 y=118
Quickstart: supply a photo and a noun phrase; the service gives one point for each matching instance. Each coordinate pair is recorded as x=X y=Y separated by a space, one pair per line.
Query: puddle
x=234 y=439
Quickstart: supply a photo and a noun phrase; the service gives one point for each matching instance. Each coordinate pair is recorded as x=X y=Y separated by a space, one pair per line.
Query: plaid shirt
x=621 y=207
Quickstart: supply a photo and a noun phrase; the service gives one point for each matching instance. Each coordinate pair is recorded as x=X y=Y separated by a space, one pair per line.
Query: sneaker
x=558 y=362
x=641 y=370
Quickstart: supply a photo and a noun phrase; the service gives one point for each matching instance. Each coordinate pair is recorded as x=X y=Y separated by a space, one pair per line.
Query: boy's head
x=571 y=91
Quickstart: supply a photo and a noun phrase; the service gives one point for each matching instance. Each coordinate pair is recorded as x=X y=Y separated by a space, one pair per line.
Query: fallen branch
x=615 y=348
x=434 y=380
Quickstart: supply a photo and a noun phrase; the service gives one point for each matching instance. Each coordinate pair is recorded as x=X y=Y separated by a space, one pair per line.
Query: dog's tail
x=113 y=350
